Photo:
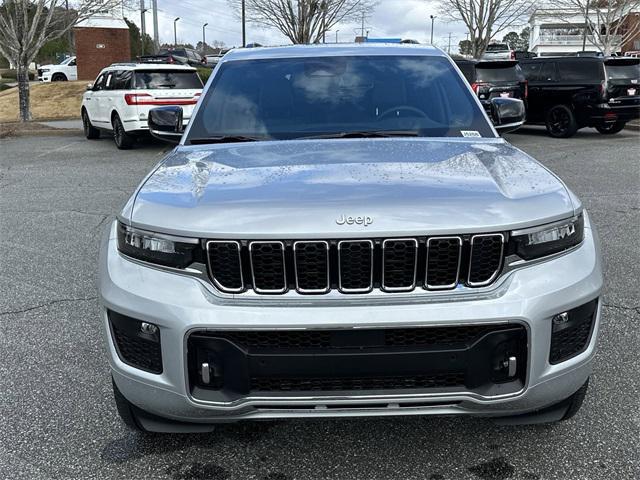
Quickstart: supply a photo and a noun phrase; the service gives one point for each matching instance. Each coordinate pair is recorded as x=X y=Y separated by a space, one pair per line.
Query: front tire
x=561 y=122
x=125 y=410
x=123 y=140
x=575 y=402
x=59 y=77
x=611 y=129
x=558 y=412
x=90 y=132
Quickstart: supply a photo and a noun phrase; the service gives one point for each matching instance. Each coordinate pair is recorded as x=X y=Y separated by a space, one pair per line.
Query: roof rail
x=123 y=64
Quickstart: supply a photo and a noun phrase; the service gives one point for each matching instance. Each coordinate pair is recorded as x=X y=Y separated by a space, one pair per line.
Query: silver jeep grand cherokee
x=342 y=232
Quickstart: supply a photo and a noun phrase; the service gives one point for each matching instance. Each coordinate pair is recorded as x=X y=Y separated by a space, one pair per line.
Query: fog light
x=148 y=328
x=561 y=318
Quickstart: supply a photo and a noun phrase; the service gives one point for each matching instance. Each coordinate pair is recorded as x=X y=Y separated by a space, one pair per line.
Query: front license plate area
x=347 y=361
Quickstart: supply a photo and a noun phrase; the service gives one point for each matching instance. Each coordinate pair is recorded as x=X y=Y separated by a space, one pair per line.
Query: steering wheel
x=400 y=108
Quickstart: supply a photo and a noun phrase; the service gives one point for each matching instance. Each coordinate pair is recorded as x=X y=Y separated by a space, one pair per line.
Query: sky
x=391 y=18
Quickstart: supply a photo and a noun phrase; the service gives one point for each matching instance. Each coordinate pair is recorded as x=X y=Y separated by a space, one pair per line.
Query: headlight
x=549 y=239
x=167 y=250
x=44 y=70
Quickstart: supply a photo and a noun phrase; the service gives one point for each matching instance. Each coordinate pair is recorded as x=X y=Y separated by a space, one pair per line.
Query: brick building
x=631 y=25
x=100 y=41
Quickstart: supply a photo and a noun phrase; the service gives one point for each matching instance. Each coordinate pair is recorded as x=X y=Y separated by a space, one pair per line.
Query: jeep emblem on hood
x=366 y=221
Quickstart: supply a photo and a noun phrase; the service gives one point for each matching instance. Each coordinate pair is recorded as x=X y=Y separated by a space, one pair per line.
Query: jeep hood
x=299 y=189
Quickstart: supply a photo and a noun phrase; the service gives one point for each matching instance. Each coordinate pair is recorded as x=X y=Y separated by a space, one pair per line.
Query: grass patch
x=204 y=74
x=57 y=100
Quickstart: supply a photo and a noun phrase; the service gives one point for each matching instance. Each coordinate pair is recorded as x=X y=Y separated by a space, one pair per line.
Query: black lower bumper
x=624 y=111
x=230 y=365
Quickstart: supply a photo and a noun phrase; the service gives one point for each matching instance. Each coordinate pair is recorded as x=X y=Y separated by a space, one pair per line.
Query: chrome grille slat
x=304 y=271
x=226 y=273
x=407 y=270
x=267 y=270
x=347 y=271
x=443 y=260
x=486 y=250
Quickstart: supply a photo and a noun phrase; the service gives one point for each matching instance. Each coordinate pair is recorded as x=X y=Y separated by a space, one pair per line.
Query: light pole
x=204 y=41
x=244 y=28
x=143 y=27
x=433 y=17
x=337 y=35
x=156 y=37
x=175 y=32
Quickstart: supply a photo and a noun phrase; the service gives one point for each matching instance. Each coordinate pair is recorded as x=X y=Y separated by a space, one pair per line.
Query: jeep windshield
x=342 y=97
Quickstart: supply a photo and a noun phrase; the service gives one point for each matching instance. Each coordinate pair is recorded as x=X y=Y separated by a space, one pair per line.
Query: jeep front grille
x=355 y=266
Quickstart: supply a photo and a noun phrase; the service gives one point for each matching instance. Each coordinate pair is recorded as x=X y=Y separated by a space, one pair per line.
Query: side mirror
x=507 y=114
x=89 y=87
x=165 y=123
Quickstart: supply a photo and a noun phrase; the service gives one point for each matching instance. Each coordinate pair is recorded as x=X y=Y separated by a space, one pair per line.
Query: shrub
x=11 y=73
x=204 y=74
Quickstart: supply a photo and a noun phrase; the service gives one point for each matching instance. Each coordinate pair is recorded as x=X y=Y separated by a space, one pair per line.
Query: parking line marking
x=54 y=150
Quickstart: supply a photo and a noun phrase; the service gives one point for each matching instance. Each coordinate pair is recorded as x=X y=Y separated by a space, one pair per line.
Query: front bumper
x=179 y=305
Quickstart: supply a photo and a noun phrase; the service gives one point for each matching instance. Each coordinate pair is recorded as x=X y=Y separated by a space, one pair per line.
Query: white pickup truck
x=66 y=70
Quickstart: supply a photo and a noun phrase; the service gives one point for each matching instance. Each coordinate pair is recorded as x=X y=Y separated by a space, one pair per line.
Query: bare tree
x=609 y=24
x=304 y=21
x=485 y=18
x=26 y=25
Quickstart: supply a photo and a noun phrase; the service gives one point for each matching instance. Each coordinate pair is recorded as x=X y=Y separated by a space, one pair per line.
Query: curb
x=41 y=133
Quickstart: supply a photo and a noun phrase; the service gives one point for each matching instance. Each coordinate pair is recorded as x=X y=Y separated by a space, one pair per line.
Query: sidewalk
x=51 y=127
x=64 y=124
x=633 y=125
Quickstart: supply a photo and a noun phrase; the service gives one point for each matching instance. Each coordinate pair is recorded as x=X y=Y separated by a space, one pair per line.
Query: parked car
x=569 y=93
x=63 y=71
x=589 y=53
x=183 y=56
x=520 y=54
x=498 y=51
x=492 y=79
x=212 y=60
x=121 y=97
x=341 y=232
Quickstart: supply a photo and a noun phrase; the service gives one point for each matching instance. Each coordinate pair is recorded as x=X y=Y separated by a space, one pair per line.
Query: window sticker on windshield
x=470 y=133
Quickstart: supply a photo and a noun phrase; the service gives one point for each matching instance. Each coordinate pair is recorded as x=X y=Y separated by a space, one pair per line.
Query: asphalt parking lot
x=58 y=419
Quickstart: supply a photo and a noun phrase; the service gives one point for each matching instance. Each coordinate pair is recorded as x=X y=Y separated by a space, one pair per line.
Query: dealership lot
x=57 y=417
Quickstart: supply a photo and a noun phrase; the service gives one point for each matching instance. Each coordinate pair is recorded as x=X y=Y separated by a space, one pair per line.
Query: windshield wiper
x=225 y=139
x=366 y=134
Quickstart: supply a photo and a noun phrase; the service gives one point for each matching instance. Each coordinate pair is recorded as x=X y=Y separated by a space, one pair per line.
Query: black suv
x=568 y=93
x=491 y=79
x=183 y=56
